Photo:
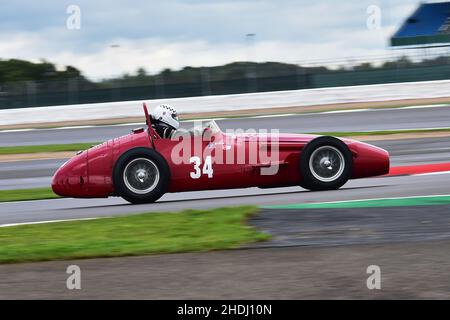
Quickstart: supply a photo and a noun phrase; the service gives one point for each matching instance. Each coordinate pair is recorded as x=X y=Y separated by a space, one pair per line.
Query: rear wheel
x=141 y=175
x=325 y=164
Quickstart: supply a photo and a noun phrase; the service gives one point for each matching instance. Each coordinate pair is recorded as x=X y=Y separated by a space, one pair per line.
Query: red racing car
x=142 y=166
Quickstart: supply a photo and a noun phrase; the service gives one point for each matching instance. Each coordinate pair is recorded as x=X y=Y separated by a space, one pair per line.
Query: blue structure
x=428 y=25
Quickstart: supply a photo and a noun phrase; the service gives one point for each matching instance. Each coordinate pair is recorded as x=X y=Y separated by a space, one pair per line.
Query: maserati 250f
x=142 y=166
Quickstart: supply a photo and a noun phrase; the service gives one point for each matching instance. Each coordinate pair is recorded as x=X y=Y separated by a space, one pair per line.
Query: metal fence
x=346 y=72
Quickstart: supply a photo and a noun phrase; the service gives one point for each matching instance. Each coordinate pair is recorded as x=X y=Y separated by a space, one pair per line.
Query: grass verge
x=27 y=194
x=46 y=148
x=142 y=234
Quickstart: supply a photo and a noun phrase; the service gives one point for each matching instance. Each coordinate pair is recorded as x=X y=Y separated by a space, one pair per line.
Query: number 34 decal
x=207 y=167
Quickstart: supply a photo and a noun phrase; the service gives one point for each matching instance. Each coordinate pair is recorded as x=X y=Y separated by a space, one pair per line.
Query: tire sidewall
x=308 y=179
x=153 y=195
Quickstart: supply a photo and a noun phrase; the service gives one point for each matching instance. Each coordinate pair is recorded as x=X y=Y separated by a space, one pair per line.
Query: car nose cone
x=71 y=178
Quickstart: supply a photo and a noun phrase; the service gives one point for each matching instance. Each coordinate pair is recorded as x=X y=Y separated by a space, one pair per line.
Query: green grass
x=46 y=148
x=148 y=233
x=26 y=194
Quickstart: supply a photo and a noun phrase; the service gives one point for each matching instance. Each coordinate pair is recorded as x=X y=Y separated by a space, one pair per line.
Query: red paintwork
x=89 y=174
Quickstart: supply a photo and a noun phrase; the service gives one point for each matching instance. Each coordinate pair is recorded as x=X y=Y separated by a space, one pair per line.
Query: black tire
x=314 y=174
x=138 y=163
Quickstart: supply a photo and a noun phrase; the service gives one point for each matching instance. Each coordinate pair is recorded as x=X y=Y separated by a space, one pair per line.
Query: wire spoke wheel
x=141 y=175
x=327 y=163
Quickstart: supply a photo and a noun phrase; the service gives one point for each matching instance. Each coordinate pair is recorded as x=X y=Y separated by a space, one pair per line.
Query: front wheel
x=325 y=164
x=141 y=175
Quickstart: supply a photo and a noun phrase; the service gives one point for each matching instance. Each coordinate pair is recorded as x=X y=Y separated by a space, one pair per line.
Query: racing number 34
x=207 y=167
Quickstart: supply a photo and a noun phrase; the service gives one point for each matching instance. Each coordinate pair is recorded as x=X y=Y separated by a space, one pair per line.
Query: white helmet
x=166 y=114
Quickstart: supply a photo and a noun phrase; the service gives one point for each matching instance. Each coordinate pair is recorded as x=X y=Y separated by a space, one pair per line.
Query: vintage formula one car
x=142 y=166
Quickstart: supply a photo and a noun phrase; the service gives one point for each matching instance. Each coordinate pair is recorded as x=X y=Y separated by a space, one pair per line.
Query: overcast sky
x=120 y=36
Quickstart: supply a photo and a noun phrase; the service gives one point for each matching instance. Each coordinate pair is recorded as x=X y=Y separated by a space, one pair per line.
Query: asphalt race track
x=328 y=261
x=381 y=119
x=29 y=174
x=45 y=210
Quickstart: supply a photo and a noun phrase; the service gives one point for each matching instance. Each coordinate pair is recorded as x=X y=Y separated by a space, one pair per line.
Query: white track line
x=431 y=173
x=269 y=116
x=346 y=111
x=43 y=222
x=19 y=130
x=426 y=106
x=25 y=201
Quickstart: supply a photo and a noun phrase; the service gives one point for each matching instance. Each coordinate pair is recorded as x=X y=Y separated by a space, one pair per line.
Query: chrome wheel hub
x=327 y=163
x=141 y=175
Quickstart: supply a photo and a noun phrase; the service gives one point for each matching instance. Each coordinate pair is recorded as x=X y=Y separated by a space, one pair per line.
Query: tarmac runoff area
x=320 y=251
x=315 y=253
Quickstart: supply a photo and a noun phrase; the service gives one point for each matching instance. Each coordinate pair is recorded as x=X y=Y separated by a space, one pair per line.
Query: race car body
x=141 y=166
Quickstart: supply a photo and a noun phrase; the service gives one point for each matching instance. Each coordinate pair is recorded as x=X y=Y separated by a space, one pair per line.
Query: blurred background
x=55 y=54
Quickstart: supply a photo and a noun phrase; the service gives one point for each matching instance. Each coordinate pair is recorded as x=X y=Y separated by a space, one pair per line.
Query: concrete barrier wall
x=308 y=97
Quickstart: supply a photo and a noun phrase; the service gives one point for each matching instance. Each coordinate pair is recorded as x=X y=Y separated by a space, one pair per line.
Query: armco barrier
x=307 y=97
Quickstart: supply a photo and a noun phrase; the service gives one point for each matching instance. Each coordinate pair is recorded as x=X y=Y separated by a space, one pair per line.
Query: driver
x=165 y=120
